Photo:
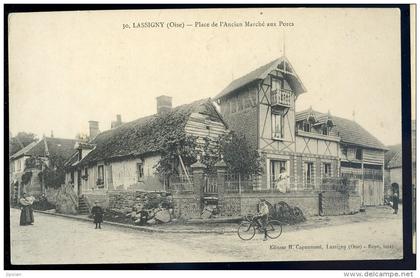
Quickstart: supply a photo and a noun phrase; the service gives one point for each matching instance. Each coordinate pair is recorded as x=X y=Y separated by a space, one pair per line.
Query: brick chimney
x=118 y=122
x=93 y=129
x=164 y=104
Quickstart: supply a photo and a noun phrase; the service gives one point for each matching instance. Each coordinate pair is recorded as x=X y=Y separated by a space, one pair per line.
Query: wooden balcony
x=281 y=98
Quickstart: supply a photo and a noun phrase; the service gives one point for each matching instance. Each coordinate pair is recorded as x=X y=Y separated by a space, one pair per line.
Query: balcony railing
x=281 y=97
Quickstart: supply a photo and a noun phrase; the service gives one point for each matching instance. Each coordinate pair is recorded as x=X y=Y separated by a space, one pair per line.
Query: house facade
x=310 y=146
x=43 y=150
x=124 y=157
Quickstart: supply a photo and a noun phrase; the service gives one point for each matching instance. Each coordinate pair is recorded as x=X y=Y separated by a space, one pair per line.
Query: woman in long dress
x=282 y=181
x=26 y=214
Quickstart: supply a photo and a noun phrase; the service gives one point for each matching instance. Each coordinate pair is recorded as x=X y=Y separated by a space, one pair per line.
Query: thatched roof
x=350 y=132
x=260 y=74
x=144 y=135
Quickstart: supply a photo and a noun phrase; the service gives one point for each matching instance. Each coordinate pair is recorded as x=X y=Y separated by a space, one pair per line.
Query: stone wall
x=336 y=203
x=230 y=205
x=186 y=206
x=235 y=205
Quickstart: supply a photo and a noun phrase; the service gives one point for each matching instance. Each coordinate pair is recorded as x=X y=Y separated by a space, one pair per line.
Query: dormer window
x=325 y=130
x=306 y=126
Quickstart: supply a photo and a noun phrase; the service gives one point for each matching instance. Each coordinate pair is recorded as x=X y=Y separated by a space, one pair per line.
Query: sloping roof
x=145 y=135
x=55 y=146
x=350 y=132
x=260 y=74
x=393 y=157
x=22 y=152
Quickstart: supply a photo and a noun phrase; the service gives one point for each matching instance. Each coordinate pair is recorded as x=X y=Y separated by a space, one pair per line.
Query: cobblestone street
x=58 y=240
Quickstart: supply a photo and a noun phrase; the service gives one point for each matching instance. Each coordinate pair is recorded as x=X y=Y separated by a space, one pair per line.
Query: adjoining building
x=124 y=157
x=44 y=150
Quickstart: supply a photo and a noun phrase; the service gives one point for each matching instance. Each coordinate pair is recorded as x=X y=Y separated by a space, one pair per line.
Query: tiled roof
x=144 y=135
x=55 y=147
x=22 y=152
x=350 y=132
x=260 y=74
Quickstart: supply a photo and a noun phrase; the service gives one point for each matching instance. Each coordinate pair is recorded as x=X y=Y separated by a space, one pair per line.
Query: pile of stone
x=66 y=200
x=139 y=207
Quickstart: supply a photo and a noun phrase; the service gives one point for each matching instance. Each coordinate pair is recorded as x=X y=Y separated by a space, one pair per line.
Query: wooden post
x=363 y=184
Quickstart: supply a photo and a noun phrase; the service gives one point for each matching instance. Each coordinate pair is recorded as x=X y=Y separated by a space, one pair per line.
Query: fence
x=210 y=184
x=237 y=183
x=181 y=183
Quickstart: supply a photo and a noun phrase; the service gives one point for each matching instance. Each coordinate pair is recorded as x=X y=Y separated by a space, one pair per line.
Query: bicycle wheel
x=246 y=231
x=274 y=229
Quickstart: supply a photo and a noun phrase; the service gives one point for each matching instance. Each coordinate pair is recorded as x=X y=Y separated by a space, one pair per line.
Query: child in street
x=98 y=214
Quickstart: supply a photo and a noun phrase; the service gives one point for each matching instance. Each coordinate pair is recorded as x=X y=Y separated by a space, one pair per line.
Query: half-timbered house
x=308 y=145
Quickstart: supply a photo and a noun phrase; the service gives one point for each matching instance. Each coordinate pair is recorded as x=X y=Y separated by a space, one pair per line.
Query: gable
x=281 y=64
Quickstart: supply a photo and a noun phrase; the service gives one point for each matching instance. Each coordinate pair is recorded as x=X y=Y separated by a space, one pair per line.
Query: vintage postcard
x=205 y=135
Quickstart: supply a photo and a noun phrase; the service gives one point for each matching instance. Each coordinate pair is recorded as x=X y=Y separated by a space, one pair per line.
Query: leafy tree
x=53 y=173
x=211 y=153
x=239 y=156
x=21 y=140
x=176 y=146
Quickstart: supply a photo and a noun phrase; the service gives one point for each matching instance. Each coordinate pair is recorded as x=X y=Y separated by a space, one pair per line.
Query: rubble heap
x=139 y=207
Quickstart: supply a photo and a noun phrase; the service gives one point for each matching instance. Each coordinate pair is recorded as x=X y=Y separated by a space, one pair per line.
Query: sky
x=67 y=68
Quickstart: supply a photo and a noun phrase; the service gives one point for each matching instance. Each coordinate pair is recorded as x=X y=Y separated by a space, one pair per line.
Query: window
x=140 y=171
x=305 y=126
x=309 y=174
x=85 y=174
x=359 y=154
x=325 y=130
x=344 y=151
x=327 y=170
x=100 y=180
x=276 y=84
x=71 y=177
x=277 y=124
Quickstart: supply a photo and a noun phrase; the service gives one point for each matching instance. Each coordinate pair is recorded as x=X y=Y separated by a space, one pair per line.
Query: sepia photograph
x=200 y=135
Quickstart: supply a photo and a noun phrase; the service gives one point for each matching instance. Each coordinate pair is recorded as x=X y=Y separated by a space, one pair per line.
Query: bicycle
x=248 y=227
